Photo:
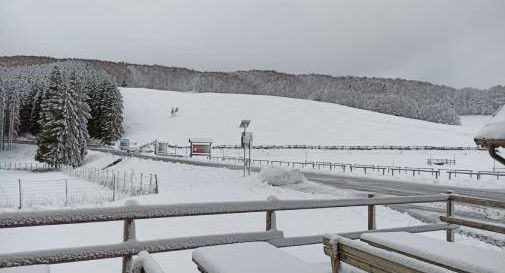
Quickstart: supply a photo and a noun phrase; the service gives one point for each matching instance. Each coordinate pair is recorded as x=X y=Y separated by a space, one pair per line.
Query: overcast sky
x=454 y=42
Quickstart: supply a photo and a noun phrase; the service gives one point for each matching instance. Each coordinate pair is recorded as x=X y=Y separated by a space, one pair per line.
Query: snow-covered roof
x=494 y=131
x=200 y=140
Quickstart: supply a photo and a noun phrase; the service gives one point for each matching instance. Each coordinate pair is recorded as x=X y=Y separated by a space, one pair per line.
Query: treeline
x=412 y=99
x=64 y=104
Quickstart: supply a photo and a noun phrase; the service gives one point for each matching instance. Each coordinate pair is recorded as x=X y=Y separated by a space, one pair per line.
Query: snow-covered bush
x=281 y=176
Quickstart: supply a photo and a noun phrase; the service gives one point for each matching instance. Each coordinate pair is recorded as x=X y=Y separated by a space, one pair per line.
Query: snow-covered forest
x=412 y=99
x=63 y=104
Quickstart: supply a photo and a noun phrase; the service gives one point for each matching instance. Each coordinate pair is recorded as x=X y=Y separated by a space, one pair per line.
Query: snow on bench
x=256 y=257
x=372 y=259
x=456 y=257
x=26 y=269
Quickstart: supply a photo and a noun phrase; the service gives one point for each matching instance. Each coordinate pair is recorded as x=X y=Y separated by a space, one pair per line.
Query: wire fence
x=80 y=186
x=128 y=183
x=24 y=166
x=25 y=193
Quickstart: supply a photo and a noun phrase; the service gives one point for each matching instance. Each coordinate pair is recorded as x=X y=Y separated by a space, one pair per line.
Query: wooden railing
x=132 y=211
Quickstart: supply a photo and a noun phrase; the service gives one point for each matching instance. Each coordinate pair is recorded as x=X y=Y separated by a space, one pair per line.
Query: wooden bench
x=372 y=259
x=455 y=257
x=255 y=257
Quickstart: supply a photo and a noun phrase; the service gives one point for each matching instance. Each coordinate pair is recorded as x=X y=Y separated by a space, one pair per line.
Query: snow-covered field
x=274 y=121
x=185 y=183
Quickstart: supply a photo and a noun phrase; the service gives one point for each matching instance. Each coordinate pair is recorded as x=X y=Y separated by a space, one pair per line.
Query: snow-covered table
x=256 y=257
x=456 y=257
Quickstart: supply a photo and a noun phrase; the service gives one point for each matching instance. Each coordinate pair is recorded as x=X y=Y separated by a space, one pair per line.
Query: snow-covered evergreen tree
x=63 y=126
x=50 y=137
x=111 y=113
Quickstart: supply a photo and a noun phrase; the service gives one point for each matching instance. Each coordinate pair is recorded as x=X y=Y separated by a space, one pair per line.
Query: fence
x=349 y=147
x=131 y=211
x=118 y=182
x=24 y=166
x=22 y=193
x=366 y=168
x=81 y=186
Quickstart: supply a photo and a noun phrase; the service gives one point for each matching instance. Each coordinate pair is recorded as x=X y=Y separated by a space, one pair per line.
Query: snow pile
x=280 y=177
x=495 y=128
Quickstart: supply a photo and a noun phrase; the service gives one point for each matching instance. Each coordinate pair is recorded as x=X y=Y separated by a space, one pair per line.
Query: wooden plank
x=368 y=261
x=414 y=256
x=474 y=224
x=478 y=201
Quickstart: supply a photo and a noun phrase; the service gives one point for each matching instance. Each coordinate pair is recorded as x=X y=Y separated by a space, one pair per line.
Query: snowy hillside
x=275 y=120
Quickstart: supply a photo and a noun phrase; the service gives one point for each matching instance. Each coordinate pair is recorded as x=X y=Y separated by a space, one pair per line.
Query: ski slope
x=275 y=120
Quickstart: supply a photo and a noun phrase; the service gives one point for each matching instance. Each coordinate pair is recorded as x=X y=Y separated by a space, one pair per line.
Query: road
x=395 y=187
x=370 y=185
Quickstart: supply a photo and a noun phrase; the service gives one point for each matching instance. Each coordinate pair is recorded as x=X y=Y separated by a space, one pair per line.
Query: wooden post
x=128 y=235
x=66 y=192
x=449 y=213
x=156 y=183
x=113 y=187
x=271 y=223
x=20 y=194
x=371 y=214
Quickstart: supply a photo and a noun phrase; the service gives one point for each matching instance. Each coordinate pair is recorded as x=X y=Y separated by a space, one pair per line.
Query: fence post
x=113 y=187
x=20 y=194
x=128 y=235
x=271 y=223
x=371 y=214
x=66 y=192
x=156 y=189
x=449 y=213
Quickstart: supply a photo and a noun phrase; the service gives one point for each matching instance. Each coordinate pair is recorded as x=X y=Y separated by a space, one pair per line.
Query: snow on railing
x=145 y=263
x=131 y=211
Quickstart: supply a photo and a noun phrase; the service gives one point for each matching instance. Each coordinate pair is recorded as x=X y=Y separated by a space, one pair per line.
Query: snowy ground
x=297 y=121
x=276 y=120
x=147 y=117
x=185 y=183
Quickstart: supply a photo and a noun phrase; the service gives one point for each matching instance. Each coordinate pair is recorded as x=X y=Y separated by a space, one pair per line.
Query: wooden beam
x=473 y=224
x=477 y=201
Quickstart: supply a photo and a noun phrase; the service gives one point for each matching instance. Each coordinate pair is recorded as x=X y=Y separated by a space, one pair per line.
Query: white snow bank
x=250 y=258
x=495 y=128
x=468 y=258
x=27 y=269
x=281 y=177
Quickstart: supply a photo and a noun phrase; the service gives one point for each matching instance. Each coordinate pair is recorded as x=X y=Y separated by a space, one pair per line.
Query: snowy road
x=371 y=185
x=395 y=187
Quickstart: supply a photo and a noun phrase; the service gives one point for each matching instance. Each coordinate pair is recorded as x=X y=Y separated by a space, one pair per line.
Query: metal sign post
x=246 y=142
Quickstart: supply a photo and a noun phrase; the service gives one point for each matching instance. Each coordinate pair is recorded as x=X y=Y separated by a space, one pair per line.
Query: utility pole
x=2 y=121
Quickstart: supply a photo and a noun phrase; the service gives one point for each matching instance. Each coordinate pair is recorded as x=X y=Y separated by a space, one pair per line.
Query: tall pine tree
x=63 y=125
x=51 y=126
